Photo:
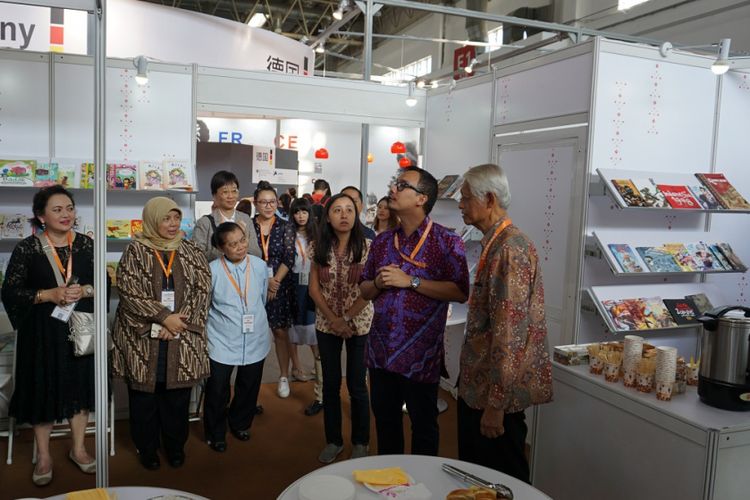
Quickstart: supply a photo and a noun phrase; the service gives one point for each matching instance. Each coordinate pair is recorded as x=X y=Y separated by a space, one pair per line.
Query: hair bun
x=264 y=185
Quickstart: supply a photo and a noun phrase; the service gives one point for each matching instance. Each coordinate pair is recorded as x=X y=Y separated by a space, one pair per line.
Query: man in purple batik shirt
x=411 y=275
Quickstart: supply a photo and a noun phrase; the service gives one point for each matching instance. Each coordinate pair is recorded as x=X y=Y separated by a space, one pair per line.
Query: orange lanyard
x=66 y=273
x=410 y=258
x=234 y=282
x=266 y=240
x=486 y=249
x=301 y=251
x=167 y=270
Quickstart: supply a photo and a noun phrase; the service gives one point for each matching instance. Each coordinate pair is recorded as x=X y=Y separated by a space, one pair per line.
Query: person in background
x=285 y=202
x=238 y=337
x=505 y=365
x=247 y=207
x=276 y=239
x=159 y=333
x=303 y=324
x=51 y=383
x=356 y=195
x=342 y=316
x=411 y=275
x=320 y=196
x=225 y=188
x=385 y=218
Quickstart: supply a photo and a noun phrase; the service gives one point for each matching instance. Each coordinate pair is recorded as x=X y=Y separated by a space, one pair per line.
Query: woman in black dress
x=276 y=239
x=51 y=383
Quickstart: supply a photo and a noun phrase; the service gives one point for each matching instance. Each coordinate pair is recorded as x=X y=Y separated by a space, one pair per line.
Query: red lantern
x=398 y=148
x=321 y=154
x=404 y=162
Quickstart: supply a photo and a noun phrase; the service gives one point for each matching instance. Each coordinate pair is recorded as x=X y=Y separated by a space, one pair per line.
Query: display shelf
x=592 y=298
x=85 y=190
x=605 y=179
x=597 y=244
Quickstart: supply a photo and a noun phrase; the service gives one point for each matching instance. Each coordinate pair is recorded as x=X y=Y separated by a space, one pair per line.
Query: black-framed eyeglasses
x=401 y=185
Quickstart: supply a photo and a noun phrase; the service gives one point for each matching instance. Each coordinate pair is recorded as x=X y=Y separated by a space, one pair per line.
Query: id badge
x=63 y=313
x=304 y=278
x=167 y=299
x=248 y=323
x=156 y=330
x=270 y=271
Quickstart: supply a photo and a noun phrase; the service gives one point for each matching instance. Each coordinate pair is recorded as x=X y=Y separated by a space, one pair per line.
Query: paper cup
x=612 y=372
x=666 y=371
x=596 y=365
x=645 y=382
x=664 y=390
x=630 y=378
x=692 y=375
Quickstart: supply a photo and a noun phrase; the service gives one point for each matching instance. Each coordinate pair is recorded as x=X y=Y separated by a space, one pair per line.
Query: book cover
x=705 y=198
x=638 y=312
x=650 y=194
x=67 y=175
x=719 y=256
x=122 y=176
x=112 y=271
x=45 y=174
x=730 y=256
x=454 y=190
x=703 y=257
x=678 y=196
x=656 y=314
x=681 y=256
x=88 y=230
x=701 y=301
x=724 y=191
x=620 y=315
x=445 y=183
x=625 y=256
x=628 y=192
x=177 y=174
x=187 y=226
x=87 y=175
x=111 y=177
x=136 y=226
x=151 y=175
x=658 y=260
x=118 y=228
x=683 y=311
x=16 y=226
x=17 y=172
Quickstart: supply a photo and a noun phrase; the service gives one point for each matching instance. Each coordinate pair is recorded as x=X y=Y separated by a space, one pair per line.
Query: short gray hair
x=489 y=178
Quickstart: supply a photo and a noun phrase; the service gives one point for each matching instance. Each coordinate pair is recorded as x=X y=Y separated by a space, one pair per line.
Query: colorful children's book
x=45 y=174
x=136 y=226
x=629 y=262
x=620 y=315
x=151 y=175
x=187 y=226
x=703 y=257
x=705 y=198
x=701 y=301
x=122 y=176
x=678 y=196
x=658 y=260
x=177 y=175
x=87 y=175
x=68 y=175
x=723 y=191
x=656 y=314
x=628 y=192
x=730 y=256
x=638 y=312
x=118 y=228
x=683 y=311
x=16 y=226
x=681 y=256
x=17 y=172
x=650 y=194
x=719 y=256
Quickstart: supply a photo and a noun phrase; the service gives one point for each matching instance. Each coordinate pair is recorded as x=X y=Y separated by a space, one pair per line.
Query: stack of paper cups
x=666 y=370
x=630 y=357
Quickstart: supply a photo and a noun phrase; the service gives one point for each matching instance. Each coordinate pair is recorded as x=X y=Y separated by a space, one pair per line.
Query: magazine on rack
x=650 y=194
x=628 y=192
x=628 y=260
x=679 y=196
x=684 y=311
x=723 y=191
x=658 y=260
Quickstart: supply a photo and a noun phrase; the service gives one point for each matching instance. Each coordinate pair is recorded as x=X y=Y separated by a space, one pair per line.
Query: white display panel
x=24 y=107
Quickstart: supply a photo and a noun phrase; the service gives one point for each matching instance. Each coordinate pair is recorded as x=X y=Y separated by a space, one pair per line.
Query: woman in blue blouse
x=238 y=336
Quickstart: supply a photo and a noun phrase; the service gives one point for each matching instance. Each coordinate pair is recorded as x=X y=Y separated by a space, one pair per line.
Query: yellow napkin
x=391 y=475
x=95 y=494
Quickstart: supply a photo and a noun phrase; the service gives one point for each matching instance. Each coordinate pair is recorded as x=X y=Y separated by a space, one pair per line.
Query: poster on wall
x=285 y=176
x=263 y=164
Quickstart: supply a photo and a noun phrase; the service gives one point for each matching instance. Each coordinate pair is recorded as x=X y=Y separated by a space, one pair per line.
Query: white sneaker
x=283 y=389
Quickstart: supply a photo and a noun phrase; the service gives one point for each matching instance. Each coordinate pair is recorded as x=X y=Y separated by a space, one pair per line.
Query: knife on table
x=502 y=491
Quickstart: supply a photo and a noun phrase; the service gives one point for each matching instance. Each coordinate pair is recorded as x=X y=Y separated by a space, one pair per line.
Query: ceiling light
x=470 y=68
x=321 y=48
x=421 y=84
x=338 y=14
x=411 y=101
x=721 y=65
x=434 y=84
x=257 y=20
x=141 y=66
x=626 y=4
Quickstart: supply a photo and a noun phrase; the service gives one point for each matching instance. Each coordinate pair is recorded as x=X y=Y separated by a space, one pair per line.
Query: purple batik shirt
x=406 y=336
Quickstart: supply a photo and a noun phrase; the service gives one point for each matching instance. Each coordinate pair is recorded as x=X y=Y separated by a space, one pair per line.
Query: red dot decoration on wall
x=549 y=212
x=655 y=97
x=618 y=121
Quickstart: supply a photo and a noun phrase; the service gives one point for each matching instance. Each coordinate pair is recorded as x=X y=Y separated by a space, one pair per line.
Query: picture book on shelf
x=17 y=172
x=16 y=226
x=151 y=175
x=87 y=175
x=187 y=226
x=658 y=260
x=656 y=315
x=683 y=311
x=628 y=192
x=620 y=315
x=719 y=256
x=681 y=256
x=118 y=228
x=701 y=301
x=650 y=194
x=703 y=257
x=445 y=183
x=678 y=196
x=625 y=256
x=136 y=226
x=45 y=174
x=454 y=190
x=68 y=175
x=705 y=198
x=730 y=256
x=122 y=176
x=177 y=174
x=724 y=191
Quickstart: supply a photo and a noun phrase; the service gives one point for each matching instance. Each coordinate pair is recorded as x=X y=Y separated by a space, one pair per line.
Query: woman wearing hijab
x=159 y=331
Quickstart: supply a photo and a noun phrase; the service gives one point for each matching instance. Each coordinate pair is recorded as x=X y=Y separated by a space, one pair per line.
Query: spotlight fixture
x=434 y=84
x=723 y=62
x=257 y=20
x=321 y=48
x=141 y=66
x=470 y=68
x=721 y=65
x=338 y=14
x=411 y=101
x=421 y=84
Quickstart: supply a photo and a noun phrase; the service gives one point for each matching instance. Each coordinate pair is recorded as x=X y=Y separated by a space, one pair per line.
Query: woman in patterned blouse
x=342 y=316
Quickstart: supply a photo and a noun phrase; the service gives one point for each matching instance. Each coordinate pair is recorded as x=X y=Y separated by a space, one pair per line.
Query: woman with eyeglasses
x=276 y=239
x=238 y=336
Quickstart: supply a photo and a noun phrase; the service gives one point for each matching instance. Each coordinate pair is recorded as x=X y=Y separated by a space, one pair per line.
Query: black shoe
x=176 y=459
x=241 y=435
x=220 y=446
x=314 y=408
x=149 y=461
x=259 y=409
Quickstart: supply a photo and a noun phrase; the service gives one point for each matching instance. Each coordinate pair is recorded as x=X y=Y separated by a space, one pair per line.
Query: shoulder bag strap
x=48 y=252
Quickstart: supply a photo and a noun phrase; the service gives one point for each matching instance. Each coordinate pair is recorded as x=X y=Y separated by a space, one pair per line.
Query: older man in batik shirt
x=505 y=365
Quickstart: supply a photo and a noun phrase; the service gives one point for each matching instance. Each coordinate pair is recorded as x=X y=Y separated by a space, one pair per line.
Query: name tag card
x=167 y=299
x=270 y=271
x=304 y=278
x=63 y=313
x=248 y=323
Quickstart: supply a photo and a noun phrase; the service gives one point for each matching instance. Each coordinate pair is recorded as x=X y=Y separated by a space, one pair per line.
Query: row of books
x=651 y=313
x=121 y=229
x=147 y=175
x=677 y=258
x=450 y=187
x=714 y=192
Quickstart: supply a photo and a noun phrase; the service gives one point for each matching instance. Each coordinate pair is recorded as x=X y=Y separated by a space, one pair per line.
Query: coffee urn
x=724 y=377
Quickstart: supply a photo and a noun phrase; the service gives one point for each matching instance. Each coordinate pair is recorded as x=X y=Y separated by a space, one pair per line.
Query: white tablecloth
x=144 y=493
x=424 y=469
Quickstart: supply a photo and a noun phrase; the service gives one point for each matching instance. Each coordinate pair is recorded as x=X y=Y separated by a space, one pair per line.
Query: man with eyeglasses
x=411 y=275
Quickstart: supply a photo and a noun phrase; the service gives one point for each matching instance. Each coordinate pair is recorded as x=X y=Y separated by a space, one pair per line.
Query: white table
x=424 y=469
x=143 y=493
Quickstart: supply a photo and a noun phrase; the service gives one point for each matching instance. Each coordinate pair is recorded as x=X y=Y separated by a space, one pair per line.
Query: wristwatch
x=88 y=291
x=415 y=282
